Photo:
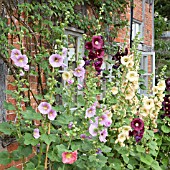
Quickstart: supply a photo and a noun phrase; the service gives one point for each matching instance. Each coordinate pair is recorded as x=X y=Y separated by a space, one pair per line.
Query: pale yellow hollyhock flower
x=148 y=103
x=125 y=131
x=131 y=57
x=129 y=94
x=132 y=76
x=155 y=89
x=161 y=85
x=130 y=64
x=144 y=111
x=114 y=90
x=121 y=137
x=109 y=114
x=125 y=60
x=161 y=96
x=67 y=75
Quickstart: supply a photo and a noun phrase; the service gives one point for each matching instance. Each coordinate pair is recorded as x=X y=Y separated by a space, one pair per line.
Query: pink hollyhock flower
x=79 y=86
x=93 y=129
x=36 y=133
x=97 y=42
x=56 y=60
x=90 y=112
x=103 y=135
x=71 y=81
x=88 y=46
x=79 y=71
x=64 y=52
x=69 y=157
x=26 y=67
x=44 y=107
x=52 y=114
x=21 y=73
x=104 y=120
x=14 y=54
x=21 y=61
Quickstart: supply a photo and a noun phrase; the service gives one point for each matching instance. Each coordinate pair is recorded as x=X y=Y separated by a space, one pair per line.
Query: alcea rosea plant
x=70 y=127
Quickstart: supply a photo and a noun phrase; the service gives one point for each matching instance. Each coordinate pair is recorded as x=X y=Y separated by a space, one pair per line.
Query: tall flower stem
x=47 y=149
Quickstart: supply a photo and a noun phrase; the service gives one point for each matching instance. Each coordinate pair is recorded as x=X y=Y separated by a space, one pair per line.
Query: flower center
x=96 y=42
x=56 y=59
x=21 y=60
x=137 y=124
x=45 y=107
x=68 y=155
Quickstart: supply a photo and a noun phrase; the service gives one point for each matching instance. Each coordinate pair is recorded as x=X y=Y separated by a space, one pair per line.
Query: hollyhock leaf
x=165 y=129
x=130 y=166
x=141 y=71
x=48 y=138
x=110 y=61
x=143 y=87
x=31 y=115
x=80 y=100
x=4 y=158
x=140 y=149
x=30 y=140
x=106 y=72
x=153 y=145
x=155 y=165
x=147 y=159
x=63 y=120
x=92 y=158
x=106 y=149
x=86 y=146
x=117 y=164
x=12 y=168
x=9 y=106
x=76 y=145
x=125 y=159
x=6 y=128
x=30 y=165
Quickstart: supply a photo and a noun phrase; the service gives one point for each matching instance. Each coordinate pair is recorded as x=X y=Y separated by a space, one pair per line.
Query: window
x=148 y=65
x=136 y=29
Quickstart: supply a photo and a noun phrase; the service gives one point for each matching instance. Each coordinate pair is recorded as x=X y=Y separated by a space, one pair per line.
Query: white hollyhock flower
x=132 y=76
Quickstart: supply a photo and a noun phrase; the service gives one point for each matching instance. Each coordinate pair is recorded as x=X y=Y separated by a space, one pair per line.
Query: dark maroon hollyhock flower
x=125 y=53
x=88 y=46
x=167 y=82
x=166 y=100
x=92 y=55
x=98 y=63
x=97 y=42
x=100 y=53
x=87 y=62
x=137 y=124
x=138 y=135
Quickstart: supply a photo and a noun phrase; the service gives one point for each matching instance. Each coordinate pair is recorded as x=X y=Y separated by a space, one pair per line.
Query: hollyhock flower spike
x=137 y=124
x=21 y=61
x=14 y=54
x=44 y=107
x=97 y=42
x=167 y=82
x=36 y=133
x=69 y=157
x=56 y=60
x=52 y=114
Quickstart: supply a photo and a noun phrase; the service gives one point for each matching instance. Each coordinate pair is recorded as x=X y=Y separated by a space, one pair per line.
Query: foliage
x=78 y=118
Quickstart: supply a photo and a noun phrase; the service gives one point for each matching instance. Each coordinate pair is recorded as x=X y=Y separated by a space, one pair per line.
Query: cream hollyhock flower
x=161 y=96
x=161 y=85
x=129 y=94
x=130 y=64
x=125 y=131
x=125 y=60
x=114 y=90
x=144 y=111
x=155 y=89
x=132 y=76
x=121 y=138
x=148 y=103
x=135 y=84
x=67 y=75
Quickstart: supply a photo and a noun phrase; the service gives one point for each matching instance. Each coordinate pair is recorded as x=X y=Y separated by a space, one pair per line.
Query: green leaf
x=24 y=89
x=125 y=158
x=80 y=100
x=106 y=149
x=38 y=97
x=31 y=115
x=155 y=165
x=110 y=61
x=30 y=166
x=165 y=129
x=4 y=158
x=140 y=149
x=63 y=119
x=106 y=72
x=30 y=140
x=147 y=159
x=6 y=128
x=48 y=138
x=130 y=166
x=141 y=71
x=117 y=164
x=9 y=106
x=143 y=87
